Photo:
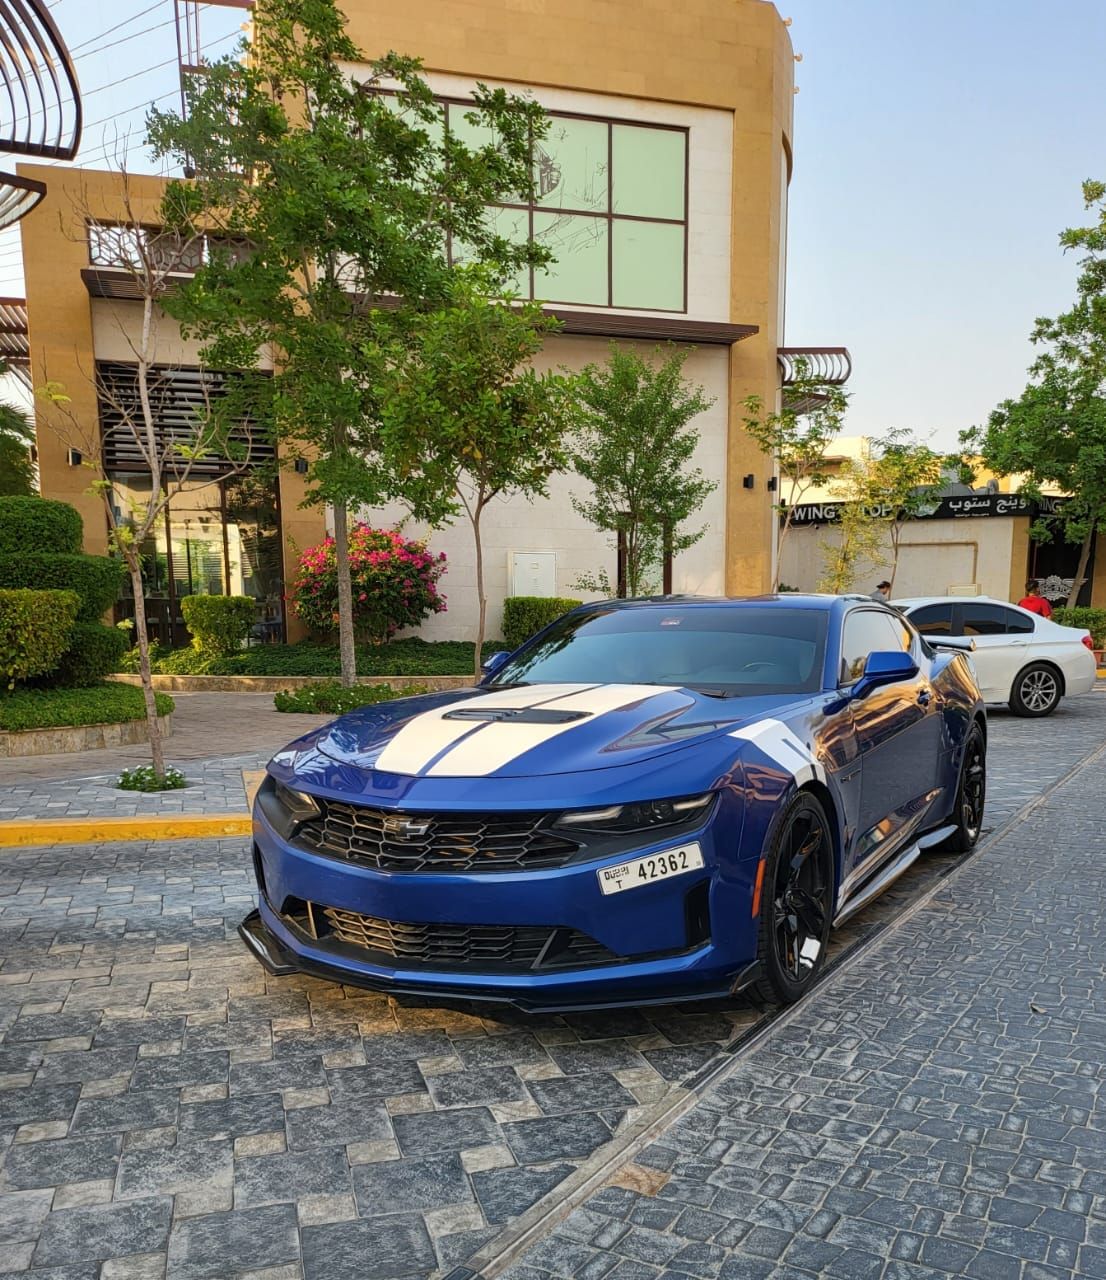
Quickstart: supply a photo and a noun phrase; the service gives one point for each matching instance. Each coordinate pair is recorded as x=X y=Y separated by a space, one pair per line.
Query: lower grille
x=459 y=946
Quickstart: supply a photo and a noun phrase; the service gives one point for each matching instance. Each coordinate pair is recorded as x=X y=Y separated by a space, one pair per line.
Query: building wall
x=937 y=557
x=552 y=524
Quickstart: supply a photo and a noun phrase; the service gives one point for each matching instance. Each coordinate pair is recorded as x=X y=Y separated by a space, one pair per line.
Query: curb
x=44 y=831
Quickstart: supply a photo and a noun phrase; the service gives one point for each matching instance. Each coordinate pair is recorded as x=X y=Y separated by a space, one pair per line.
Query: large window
x=610 y=202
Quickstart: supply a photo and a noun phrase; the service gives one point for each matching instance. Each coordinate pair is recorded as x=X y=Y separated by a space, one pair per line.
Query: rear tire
x=971 y=794
x=1036 y=692
x=796 y=904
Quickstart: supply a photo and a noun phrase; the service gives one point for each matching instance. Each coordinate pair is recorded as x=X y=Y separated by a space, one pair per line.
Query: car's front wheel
x=1036 y=691
x=971 y=794
x=796 y=902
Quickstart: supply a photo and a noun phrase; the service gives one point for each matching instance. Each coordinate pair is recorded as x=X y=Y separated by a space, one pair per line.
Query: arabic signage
x=954 y=508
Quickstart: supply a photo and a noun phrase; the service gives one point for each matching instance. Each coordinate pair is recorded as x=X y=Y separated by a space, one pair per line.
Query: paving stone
x=403 y=1185
x=506 y=1193
x=81 y=1235
x=514 y=1049
x=371 y=1248
x=377 y=1081
x=222 y=1244
x=556 y=1138
x=47 y=1164
x=580 y=1093
x=133 y=1110
x=28 y=1106
x=478 y=1086
x=92 y=1064
x=176 y=1070
x=232 y=1117
x=432 y=1132
x=338 y=1123
x=271 y=1179
x=22 y=1214
x=169 y=1170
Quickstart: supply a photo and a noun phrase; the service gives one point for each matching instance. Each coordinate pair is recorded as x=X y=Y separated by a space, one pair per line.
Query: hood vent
x=517 y=715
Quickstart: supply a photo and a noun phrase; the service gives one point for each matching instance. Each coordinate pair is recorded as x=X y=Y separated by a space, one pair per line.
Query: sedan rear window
x=732 y=650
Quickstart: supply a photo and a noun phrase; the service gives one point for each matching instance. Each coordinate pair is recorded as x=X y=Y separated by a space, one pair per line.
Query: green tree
x=1054 y=433
x=17 y=436
x=796 y=438
x=860 y=526
x=466 y=420
x=333 y=198
x=904 y=477
x=634 y=446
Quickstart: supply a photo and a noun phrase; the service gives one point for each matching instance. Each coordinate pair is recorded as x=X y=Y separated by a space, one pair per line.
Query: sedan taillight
x=1088 y=642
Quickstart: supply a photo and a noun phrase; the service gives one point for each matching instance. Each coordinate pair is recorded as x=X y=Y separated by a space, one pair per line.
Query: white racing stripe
x=429 y=734
x=778 y=743
x=500 y=742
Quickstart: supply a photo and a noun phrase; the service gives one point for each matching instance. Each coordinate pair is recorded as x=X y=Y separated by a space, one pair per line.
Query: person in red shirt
x=1033 y=602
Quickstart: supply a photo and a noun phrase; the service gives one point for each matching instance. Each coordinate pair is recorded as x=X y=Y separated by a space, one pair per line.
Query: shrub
x=1092 y=620
x=332 y=699
x=95 y=579
x=94 y=651
x=34 y=631
x=219 y=624
x=56 y=708
x=143 y=778
x=394 y=584
x=525 y=616
x=40 y=525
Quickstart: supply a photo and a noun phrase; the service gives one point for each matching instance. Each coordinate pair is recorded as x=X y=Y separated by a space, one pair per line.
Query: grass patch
x=413 y=657
x=63 y=708
x=333 y=700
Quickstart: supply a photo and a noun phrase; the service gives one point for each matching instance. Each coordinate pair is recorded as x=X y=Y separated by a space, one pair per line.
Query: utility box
x=532 y=573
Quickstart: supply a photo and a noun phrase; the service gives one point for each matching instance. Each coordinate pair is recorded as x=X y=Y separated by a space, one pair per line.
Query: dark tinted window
x=994 y=620
x=933 y=620
x=869 y=631
x=734 y=649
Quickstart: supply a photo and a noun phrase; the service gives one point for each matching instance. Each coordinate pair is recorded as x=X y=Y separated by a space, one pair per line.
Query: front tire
x=1036 y=691
x=971 y=794
x=796 y=902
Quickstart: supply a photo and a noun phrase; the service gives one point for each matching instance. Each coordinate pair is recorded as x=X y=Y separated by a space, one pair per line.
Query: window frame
x=900 y=620
x=1005 y=611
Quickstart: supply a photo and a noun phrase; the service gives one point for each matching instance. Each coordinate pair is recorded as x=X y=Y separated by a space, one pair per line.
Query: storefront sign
x=953 y=508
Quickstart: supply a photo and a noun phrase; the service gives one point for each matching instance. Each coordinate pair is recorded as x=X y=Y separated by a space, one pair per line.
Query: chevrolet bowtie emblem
x=397 y=827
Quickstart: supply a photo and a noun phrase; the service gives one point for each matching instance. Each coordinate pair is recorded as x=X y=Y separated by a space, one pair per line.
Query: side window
x=933 y=620
x=868 y=631
x=990 y=620
x=1018 y=624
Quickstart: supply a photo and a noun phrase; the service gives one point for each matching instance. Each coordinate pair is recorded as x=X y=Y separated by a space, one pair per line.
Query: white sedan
x=1020 y=658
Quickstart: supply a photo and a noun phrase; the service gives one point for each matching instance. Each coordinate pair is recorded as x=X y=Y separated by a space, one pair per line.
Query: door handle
x=924 y=697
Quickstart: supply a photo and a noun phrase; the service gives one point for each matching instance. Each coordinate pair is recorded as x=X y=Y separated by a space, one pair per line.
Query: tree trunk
x=781 y=538
x=1081 y=570
x=157 y=750
x=347 y=652
x=481 y=599
x=895 y=536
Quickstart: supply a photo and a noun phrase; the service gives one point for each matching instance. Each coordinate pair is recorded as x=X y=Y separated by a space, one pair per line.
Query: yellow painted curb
x=200 y=826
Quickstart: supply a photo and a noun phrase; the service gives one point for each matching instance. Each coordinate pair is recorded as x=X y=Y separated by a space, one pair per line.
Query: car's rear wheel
x=1036 y=691
x=971 y=794
x=796 y=901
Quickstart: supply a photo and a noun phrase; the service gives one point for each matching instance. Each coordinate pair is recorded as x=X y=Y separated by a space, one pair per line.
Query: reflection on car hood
x=534 y=730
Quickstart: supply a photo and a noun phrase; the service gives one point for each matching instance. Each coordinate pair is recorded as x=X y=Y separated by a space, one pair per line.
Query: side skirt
x=888 y=874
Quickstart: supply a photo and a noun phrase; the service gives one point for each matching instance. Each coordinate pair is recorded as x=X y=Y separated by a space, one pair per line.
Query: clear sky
x=939 y=148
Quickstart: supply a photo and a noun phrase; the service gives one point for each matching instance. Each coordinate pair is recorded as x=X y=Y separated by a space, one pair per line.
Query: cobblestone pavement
x=168 y=1109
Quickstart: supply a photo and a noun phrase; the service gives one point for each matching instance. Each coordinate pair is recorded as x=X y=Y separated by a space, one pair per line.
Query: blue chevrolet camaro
x=650 y=800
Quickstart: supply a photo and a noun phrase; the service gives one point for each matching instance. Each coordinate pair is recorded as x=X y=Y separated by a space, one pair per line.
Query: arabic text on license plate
x=657 y=866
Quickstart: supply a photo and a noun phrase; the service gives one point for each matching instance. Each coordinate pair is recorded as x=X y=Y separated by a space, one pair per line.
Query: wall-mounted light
x=73 y=457
x=749 y=481
x=773 y=484
x=301 y=466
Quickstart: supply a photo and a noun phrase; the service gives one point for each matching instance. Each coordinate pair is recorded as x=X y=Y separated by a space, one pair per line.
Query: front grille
x=461 y=946
x=392 y=841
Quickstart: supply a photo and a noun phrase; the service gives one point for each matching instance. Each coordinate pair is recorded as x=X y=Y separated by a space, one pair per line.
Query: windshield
x=727 y=650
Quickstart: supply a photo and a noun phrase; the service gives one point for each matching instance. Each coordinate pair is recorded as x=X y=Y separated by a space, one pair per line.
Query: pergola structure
x=40 y=102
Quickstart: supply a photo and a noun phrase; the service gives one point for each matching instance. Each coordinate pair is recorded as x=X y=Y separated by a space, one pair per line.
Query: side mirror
x=492 y=665
x=884 y=667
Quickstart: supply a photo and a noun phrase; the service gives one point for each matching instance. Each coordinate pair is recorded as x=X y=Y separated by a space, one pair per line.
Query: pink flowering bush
x=395 y=584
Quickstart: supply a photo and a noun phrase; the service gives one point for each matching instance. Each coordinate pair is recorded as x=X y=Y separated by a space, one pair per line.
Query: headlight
x=645 y=815
x=301 y=807
x=286 y=808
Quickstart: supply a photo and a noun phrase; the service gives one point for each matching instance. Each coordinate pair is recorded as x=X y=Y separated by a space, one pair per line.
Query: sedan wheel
x=1036 y=691
x=971 y=794
x=796 y=902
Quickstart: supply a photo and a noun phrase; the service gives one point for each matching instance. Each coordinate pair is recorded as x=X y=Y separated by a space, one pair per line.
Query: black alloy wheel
x=796 y=902
x=971 y=794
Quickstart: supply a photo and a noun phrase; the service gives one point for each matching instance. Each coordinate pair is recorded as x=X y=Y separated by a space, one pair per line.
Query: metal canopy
x=15 y=346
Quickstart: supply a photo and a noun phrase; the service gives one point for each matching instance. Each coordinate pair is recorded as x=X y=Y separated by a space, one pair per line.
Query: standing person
x=882 y=593
x=1033 y=602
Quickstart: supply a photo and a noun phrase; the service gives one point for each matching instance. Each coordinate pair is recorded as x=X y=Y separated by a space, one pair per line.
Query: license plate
x=657 y=866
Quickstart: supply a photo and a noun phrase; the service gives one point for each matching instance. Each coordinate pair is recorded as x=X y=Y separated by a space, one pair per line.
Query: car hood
x=535 y=730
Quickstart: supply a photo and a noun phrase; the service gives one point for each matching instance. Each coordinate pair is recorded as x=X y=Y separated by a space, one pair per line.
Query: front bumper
x=687 y=937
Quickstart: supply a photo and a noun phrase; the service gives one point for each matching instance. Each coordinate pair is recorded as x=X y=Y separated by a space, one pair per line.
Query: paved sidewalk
x=937 y=1110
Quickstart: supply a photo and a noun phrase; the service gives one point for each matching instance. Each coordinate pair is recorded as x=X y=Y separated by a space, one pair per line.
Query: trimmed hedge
x=332 y=699
x=95 y=579
x=35 y=627
x=219 y=624
x=40 y=525
x=411 y=657
x=94 y=651
x=525 y=616
x=1092 y=620
x=61 y=708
